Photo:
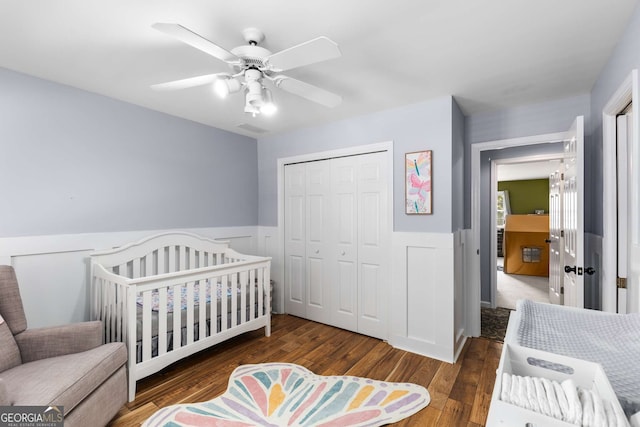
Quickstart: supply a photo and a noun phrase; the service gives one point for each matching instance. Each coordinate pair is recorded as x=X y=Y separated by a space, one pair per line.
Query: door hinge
x=561 y=233
x=562 y=290
x=562 y=176
x=621 y=282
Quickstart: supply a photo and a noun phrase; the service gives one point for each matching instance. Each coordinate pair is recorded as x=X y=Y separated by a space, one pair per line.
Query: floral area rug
x=284 y=394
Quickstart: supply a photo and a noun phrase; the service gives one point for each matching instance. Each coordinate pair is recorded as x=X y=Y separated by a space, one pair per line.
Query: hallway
x=512 y=287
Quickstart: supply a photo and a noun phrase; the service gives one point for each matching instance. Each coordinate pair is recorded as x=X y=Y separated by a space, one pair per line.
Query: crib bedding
x=155 y=295
x=196 y=312
x=612 y=340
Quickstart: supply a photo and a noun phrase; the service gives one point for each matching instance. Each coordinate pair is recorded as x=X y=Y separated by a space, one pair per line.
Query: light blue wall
x=457 y=168
x=422 y=126
x=624 y=59
x=76 y=162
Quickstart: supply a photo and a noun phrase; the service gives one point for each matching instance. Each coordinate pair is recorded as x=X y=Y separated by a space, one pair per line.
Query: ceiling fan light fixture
x=224 y=86
x=268 y=106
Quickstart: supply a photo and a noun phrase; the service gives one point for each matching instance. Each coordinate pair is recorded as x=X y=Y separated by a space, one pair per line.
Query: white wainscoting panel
x=53 y=271
x=268 y=245
x=423 y=302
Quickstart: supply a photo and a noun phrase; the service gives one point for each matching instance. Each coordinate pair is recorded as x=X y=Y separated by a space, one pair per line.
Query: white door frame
x=474 y=299
x=626 y=93
x=494 y=193
x=342 y=152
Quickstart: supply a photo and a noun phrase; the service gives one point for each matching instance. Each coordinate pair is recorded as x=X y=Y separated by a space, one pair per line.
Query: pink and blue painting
x=418 y=182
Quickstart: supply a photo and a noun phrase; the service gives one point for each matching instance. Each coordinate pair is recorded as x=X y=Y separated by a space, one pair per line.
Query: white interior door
x=295 y=240
x=556 y=241
x=344 y=217
x=318 y=245
x=628 y=211
x=573 y=215
x=373 y=241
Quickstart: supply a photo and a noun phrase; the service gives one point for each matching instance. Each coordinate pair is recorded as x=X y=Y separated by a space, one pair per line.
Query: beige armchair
x=62 y=365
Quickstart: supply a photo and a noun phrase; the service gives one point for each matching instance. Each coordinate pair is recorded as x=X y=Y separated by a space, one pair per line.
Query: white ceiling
x=489 y=54
x=528 y=170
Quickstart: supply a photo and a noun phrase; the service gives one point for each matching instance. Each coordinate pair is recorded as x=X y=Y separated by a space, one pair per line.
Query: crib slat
x=182 y=260
x=123 y=270
x=146 y=325
x=213 y=315
x=161 y=265
x=205 y=289
x=148 y=266
x=260 y=287
x=177 y=341
x=190 y=304
x=172 y=259
x=252 y=294
x=162 y=321
x=224 y=288
x=136 y=268
x=200 y=259
x=234 y=300
x=243 y=296
x=120 y=311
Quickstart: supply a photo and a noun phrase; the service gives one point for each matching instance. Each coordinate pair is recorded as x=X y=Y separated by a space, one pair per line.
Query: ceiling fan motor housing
x=252 y=56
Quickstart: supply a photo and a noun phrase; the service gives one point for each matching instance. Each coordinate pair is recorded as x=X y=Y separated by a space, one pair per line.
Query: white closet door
x=295 y=240
x=318 y=243
x=373 y=239
x=344 y=229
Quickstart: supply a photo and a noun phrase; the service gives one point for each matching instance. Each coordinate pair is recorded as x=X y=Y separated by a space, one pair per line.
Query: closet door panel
x=318 y=242
x=344 y=217
x=295 y=240
x=373 y=240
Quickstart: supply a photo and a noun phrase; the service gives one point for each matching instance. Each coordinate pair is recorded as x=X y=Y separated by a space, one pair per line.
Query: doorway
x=483 y=251
x=521 y=189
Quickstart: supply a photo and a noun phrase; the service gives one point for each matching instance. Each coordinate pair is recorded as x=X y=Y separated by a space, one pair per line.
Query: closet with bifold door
x=336 y=242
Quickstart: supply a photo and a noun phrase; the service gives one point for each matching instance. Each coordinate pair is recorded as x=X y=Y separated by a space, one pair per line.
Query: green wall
x=527 y=196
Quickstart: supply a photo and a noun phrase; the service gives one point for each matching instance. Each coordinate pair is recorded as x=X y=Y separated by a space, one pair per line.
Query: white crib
x=218 y=292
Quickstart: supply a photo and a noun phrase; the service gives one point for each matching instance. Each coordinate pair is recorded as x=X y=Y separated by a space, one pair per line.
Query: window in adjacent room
x=502 y=208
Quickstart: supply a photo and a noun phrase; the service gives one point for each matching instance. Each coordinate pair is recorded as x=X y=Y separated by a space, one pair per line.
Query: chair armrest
x=42 y=343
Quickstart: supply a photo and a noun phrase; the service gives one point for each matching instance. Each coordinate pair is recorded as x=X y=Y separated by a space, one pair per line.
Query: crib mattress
x=612 y=340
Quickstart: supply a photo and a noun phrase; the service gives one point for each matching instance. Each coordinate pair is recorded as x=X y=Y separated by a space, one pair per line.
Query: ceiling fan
x=252 y=65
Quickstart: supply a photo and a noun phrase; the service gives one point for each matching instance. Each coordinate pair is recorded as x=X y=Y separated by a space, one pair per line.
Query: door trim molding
x=322 y=155
x=626 y=93
x=473 y=319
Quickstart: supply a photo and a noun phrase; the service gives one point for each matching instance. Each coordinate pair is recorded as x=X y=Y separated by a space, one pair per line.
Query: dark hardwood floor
x=460 y=392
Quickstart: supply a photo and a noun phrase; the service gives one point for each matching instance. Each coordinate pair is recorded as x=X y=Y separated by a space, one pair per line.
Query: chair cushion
x=10 y=301
x=64 y=380
x=9 y=351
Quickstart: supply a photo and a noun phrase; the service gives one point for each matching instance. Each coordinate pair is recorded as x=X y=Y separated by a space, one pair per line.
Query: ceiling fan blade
x=305 y=90
x=310 y=52
x=187 y=36
x=187 y=83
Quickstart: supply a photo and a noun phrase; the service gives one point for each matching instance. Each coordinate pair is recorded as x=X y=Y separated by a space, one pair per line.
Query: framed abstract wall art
x=418 y=189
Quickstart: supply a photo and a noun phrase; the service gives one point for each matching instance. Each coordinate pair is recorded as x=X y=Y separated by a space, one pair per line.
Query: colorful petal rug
x=284 y=394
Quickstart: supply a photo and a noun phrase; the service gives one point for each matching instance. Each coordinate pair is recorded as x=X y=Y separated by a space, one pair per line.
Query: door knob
x=568 y=269
x=547 y=240
x=317 y=251
x=343 y=252
x=590 y=271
